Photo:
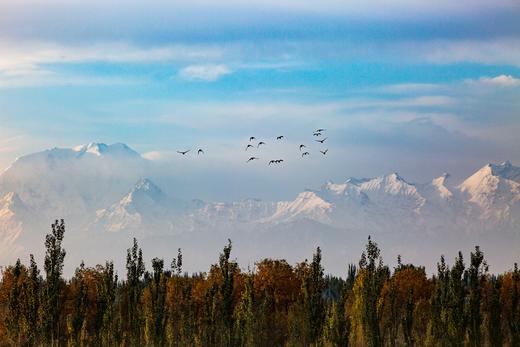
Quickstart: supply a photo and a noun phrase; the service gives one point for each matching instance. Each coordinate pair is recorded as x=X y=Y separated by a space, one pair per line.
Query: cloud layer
x=418 y=86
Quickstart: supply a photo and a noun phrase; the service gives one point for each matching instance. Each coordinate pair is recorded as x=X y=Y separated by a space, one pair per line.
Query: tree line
x=274 y=304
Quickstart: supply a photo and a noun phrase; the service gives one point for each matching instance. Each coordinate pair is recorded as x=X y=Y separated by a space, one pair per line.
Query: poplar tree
x=476 y=277
x=158 y=299
x=14 y=319
x=456 y=324
x=32 y=303
x=106 y=313
x=438 y=315
x=374 y=277
x=313 y=301
x=494 y=309
x=81 y=305
x=514 y=321
x=54 y=284
x=135 y=271
x=227 y=270
x=245 y=316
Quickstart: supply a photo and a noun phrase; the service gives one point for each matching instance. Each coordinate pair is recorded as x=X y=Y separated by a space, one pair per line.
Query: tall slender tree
x=106 y=313
x=514 y=319
x=33 y=301
x=134 y=272
x=227 y=271
x=374 y=275
x=476 y=275
x=54 y=284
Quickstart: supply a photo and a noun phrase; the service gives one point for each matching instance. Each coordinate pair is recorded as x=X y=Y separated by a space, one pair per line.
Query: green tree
x=476 y=274
x=313 y=288
x=54 y=284
x=227 y=271
x=81 y=306
x=456 y=319
x=439 y=301
x=245 y=323
x=14 y=319
x=374 y=276
x=158 y=299
x=494 y=312
x=135 y=271
x=514 y=319
x=106 y=313
x=31 y=308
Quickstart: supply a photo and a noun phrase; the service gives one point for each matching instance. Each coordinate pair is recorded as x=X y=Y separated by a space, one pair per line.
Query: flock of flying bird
x=317 y=133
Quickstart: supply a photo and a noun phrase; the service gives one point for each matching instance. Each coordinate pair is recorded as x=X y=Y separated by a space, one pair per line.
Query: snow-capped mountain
x=94 y=188
x=493 y=192
x=12 y=215
x=144 y=208
x=391 y=203
x=73 y=182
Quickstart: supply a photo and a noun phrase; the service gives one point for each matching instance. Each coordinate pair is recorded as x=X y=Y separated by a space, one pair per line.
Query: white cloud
x=498 y=51
x=26 y=63
x=501 y=80
x=156 y=155
x=207 y=72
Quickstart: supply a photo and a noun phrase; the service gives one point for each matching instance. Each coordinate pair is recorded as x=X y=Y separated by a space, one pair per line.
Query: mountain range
x=105 y=196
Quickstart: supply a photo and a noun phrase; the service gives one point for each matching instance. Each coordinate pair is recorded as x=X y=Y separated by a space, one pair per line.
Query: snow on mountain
x=389 y=202
x=438 y=194
x=306 y=205
x=73 y=182
x=355 y=203
x=12 y=214
x=393 y=192
x=145 y=208
x=101 y=149
x=493 y=191
x=94 y=188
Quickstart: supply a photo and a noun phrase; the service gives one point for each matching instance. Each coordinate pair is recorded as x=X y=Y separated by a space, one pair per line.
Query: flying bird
x=271 y=162
x=305 y=153
x=252 y=138
x=316 y=134
x=249 y=146
x=324 y=152
x=279 y=137
x=183 y=152
x=251 y=159
x=319 y=130
x=200 y=151
x=279 y=161
x=260 y=143
x=302 y=146
x=322 y=140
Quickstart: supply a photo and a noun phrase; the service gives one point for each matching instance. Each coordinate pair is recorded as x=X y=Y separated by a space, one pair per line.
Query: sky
x=417 y=87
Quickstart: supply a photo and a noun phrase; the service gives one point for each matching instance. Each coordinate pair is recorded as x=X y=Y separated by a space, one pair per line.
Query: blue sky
x=418 y=87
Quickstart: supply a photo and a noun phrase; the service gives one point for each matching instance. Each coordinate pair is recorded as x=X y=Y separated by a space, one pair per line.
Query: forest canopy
x=273 y=304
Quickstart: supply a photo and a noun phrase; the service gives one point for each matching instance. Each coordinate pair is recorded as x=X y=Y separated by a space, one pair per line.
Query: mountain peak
x=439 y=185
x=102 y=149
x=144 y=191
x=395 y=177
x=492 y=185
x=506 y=170
x=441 y=180
x=146 y=185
